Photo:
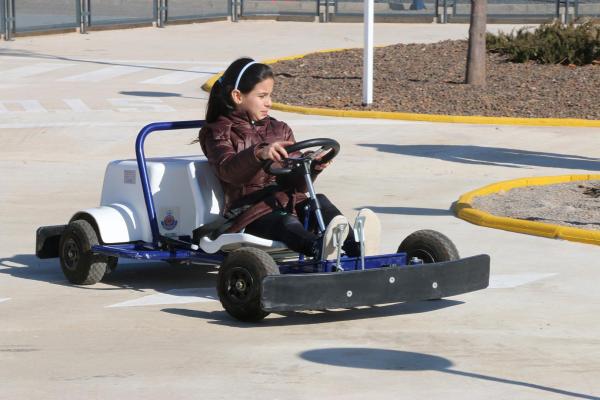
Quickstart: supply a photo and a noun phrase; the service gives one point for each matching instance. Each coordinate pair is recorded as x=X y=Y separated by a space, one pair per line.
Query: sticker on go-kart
x=129 y=176
x=169 y=217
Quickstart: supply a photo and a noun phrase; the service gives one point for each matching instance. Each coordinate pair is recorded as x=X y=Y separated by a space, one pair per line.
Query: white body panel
x=180 y=204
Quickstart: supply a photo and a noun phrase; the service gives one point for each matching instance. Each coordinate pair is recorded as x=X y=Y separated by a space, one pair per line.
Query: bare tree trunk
x=476 y=53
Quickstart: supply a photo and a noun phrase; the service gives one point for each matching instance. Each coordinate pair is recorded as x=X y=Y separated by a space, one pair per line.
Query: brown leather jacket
x=231 y=144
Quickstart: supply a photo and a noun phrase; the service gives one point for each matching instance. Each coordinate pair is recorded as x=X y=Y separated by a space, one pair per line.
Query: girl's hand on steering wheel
x=321 y=166
x=273 y=151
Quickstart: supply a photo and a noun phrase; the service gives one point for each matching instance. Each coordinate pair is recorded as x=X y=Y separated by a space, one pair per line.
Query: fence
x=24 y=16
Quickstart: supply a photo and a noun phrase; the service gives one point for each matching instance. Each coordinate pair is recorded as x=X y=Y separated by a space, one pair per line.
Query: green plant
x=549 y=44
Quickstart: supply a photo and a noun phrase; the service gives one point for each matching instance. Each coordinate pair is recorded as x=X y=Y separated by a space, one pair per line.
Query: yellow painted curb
x=464 y=210
x=459 y=119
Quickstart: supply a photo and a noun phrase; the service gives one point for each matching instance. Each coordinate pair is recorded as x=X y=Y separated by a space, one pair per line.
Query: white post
x=368 y=53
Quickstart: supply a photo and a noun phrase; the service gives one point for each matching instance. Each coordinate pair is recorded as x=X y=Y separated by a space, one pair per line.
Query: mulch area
x=575 y=204
x=428 y=78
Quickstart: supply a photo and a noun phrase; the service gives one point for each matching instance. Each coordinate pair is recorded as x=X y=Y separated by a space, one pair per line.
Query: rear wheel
x=239 y=283
x=78 y=263
x=429 y=246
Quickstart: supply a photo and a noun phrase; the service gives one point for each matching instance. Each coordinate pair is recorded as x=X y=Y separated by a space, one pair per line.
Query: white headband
x=237 y=82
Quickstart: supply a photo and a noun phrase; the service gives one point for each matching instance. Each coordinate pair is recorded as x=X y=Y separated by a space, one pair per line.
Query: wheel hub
x=71 y=254
x=240 y=284
x=424 y=255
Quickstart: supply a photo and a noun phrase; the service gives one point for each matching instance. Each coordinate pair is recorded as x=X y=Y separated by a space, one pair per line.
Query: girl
x=238 y=138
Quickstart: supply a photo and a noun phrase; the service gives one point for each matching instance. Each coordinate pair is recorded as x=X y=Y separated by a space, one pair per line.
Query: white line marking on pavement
x=30 y=70
x=1 y=300
x=511 y=281
x=133 y=105
x=77 y=105
x=176 y=78
x=103 y=74
x=29 y=106
x=175 y=296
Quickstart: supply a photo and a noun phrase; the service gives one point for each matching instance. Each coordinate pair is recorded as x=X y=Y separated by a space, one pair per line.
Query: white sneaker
x=367 y=223
x=336 y=232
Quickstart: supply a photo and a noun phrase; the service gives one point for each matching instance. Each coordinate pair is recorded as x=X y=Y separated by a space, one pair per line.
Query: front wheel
x=239 y=283
x=428 y=246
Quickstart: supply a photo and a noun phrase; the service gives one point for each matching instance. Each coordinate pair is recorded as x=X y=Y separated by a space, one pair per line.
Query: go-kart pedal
x=333 y=238
x=367 y=232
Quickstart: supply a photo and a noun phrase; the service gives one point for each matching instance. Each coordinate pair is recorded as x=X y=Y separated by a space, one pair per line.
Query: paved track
x=71 y=103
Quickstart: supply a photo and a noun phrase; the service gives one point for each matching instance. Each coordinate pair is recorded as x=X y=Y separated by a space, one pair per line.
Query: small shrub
x=549 y=44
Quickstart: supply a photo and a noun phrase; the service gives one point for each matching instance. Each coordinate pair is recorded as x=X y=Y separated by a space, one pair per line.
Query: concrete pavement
x=71 y=103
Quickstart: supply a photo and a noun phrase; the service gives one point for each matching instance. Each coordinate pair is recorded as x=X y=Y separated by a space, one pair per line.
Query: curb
x=458 y=119
x=464 y=210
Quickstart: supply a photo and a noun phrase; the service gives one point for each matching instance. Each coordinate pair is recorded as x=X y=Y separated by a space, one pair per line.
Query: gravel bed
x=428 y=78
x=575 y=204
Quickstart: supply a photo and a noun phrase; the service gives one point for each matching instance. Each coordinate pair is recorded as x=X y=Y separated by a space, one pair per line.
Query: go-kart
x=170 y=209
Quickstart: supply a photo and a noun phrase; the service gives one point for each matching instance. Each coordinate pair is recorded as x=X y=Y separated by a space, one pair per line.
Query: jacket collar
x=242 y=118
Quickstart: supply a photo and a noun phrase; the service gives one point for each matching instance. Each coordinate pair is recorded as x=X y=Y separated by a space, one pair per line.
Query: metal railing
x=279 y=8
x=22 y=16
x=500 y=10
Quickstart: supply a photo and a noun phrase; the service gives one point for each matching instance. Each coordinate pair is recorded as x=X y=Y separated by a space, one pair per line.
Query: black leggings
x=289 y=228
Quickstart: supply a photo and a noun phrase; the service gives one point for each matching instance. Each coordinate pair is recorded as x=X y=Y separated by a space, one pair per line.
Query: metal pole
x=367 y=97
x=9 y=19
x=3 y=19
x=234 y=11
x=319 y=10
x=160 y=13
x=566 y=11
x=82 y=11
x=86 y=15
x=445 y=12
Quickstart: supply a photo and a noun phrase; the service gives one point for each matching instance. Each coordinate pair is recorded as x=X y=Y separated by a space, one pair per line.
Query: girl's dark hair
x=220 y=101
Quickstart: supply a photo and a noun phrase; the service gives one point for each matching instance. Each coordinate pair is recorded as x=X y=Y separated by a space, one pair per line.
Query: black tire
x=430 y=246
x=239 y=282
x=78 y=263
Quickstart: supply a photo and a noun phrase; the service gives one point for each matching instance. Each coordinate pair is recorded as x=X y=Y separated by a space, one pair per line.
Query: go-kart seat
x=211 y=196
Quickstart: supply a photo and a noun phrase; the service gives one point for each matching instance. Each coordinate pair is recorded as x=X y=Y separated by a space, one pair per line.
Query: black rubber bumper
x=321 y=291
x=47 y=239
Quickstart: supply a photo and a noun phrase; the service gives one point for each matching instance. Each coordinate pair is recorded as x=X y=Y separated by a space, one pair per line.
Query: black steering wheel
x=329 y=146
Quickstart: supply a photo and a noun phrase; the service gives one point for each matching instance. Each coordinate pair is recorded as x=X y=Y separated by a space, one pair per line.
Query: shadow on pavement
x=318 y=317
x=170 y=279
x=129 y=275
x=431 y=212
x=141 y=93
x=383 y=359
x=496 y=156
x=30 y=54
